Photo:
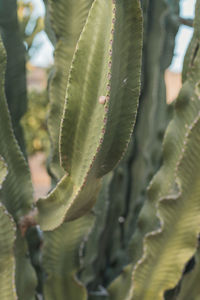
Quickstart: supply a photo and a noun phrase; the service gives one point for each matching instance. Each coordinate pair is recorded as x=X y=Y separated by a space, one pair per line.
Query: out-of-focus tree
x=30 y=25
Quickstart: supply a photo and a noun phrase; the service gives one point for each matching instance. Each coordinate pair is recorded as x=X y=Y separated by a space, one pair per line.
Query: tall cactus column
x=125 y=193
x=15 y=84
x=100 y=108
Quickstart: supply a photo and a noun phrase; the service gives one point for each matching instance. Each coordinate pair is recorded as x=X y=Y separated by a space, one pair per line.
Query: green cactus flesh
x=173 y=194
x=7 y=260
x=125 y=192
x=25 y=276
x=16 y=193
x=92 y=244
x=61 y=260
x=15 y=79
x=67 y=19
x=94 y=135
x=190 y=288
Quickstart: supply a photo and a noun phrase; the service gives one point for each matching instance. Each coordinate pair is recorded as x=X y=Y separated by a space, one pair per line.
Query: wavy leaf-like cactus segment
x=61 y=259
x=68 y=19
x=167 y=250
x=67 y=202
x=124 y=85
x=3 y=170
x=185 y=111
x=190 y=288
x=7 y=260
x=174 y=192
x=90 y=107
x=16 y=193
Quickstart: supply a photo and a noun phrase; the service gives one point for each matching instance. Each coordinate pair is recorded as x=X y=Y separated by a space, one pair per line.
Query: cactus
x=91 y=220
x=67 y=21
x=173 y=237
x=16 y=193
x=15 y=86
x=61 y=259
x=7 y=261
x=96 y=152
x=189 y=288
x=127 y=189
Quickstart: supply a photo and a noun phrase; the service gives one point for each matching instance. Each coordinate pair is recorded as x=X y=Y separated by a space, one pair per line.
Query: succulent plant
x=100 y=233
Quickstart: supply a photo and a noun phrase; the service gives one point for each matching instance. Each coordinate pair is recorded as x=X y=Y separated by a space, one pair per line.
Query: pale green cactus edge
x=174 y=192
x=67 y=19
x=100 y=109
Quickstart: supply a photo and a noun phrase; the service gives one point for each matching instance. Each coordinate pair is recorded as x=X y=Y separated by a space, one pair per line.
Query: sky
x=44 y=56
x=183 y=36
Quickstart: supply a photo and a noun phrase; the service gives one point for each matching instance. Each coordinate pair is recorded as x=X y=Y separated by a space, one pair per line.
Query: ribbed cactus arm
x=101 y=103
x=16 y=193
x=120 y=93
x=84 y=116
x=7 y=260
x=174 y=196
x=124 y=84
x=168 y=249
x=67 y=18
x=61 y=260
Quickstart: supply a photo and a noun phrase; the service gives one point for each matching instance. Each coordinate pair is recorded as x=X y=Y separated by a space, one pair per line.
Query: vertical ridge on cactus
x=67 y=19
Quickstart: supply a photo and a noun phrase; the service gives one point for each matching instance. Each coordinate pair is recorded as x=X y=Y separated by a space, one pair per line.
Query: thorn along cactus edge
x=106 y=230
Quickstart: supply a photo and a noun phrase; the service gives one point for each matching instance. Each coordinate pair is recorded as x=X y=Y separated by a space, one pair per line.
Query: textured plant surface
x=99 y=234
x=174 y=192
x=89 y=152
x=15 y=81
